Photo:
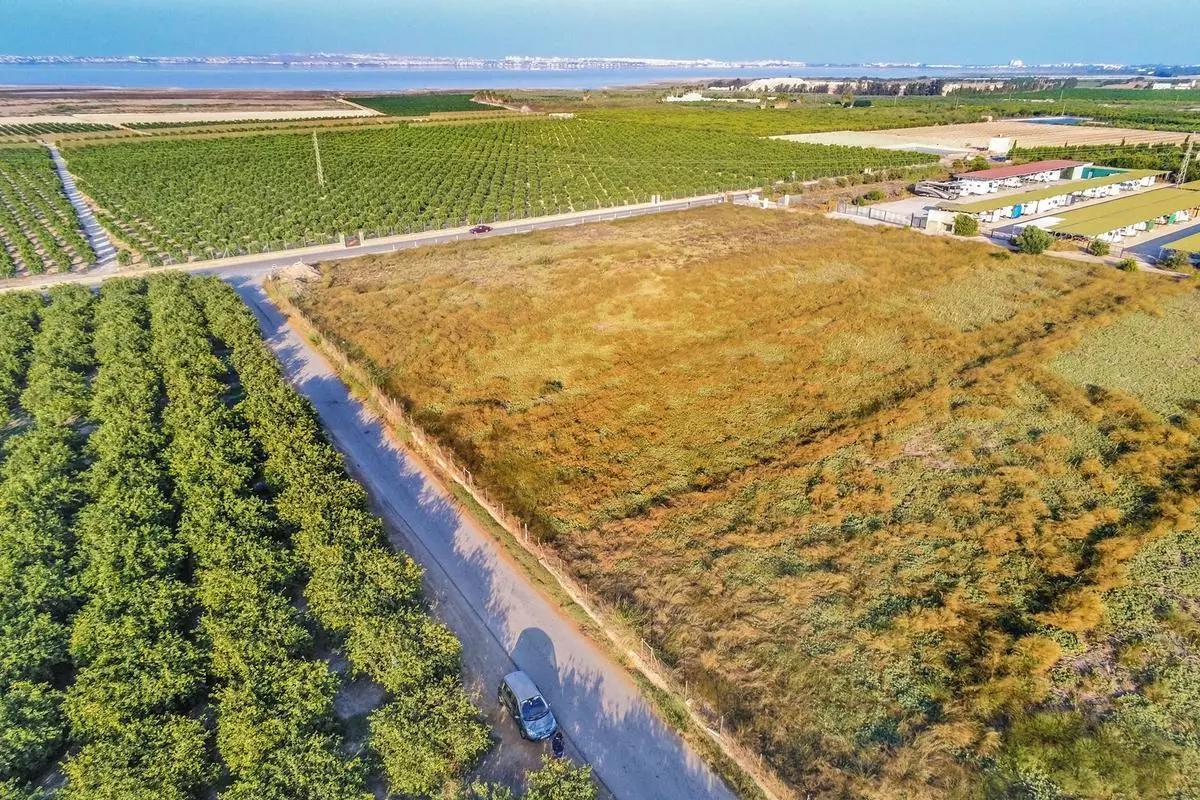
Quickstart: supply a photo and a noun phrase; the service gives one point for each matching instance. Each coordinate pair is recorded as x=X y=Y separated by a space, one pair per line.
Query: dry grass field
x=917 y=516
x=976 y=135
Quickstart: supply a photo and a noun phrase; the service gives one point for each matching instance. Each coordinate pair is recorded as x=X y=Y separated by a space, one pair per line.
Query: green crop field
x=823 y=113
x=217 y=196
x=916 y=517
x=165 y=498
x=804 y=118
x=1140 y=156
x=38 y=128
x=1097 y=94
x=418 y=105
x=39 y=230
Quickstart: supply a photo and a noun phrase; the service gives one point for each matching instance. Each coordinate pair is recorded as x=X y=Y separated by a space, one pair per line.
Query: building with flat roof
x=1048 y=198
x=1127 y=216
x=985 y=181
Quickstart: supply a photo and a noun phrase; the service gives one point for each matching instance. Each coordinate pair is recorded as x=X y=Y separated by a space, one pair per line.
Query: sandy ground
x=127 y=118
x=975 y=135
x=53 y=102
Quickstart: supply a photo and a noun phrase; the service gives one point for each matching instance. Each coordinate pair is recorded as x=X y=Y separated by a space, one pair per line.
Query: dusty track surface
x=505 y=623
x=16 y=101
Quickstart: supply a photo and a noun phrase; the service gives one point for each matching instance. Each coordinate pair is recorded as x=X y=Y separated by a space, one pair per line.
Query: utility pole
x=320 y=172
x=1187 y=159
x=1062 y=111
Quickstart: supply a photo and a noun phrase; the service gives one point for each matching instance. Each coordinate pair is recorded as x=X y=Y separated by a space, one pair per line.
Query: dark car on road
x=481 y=229
x=519 y=696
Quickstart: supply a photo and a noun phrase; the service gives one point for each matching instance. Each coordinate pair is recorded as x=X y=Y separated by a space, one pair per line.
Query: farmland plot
x=154 y=535
x=412 y=105
x=220 y=196
x=875 y=496
x=39 y=230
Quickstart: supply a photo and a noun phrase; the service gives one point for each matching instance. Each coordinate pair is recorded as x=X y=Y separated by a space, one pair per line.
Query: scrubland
x=916 y=516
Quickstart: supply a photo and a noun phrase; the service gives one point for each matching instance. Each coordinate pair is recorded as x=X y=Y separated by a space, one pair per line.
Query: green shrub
x=1097 y=247
x=1127 y=265
x=1033 y=240
x=559 y=779
x=1174 y=259
x=31 y=727
x=872 y=196
x=966 y=225
x=427 y=736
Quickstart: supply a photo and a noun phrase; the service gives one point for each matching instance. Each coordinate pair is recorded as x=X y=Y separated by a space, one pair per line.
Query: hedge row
x=139 y=669
x=56 y=389
x=276 y=730
x=358 y=588
x=39 y=494
x=18 y=317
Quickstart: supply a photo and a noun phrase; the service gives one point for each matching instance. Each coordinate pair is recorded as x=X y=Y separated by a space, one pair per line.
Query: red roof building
x=1018 y=170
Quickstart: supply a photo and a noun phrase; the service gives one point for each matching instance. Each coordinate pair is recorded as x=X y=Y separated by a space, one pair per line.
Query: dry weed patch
x=898 y=509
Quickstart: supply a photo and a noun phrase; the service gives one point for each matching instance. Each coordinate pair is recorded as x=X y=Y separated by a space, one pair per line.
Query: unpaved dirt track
x=502 y=620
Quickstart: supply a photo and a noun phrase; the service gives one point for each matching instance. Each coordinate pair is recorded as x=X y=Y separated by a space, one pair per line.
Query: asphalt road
x=504 y=622
x=245 y=266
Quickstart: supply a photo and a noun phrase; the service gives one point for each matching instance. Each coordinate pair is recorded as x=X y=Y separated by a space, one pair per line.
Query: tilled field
x=976 y=135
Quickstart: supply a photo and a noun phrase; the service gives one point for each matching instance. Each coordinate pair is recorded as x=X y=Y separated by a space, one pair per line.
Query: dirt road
x=503 y=621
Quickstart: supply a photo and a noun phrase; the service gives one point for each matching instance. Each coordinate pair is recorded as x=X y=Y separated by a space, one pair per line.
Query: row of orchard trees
x=358 y=588
x=39 y=493
x=224 y=196
x=153 y=535
x=39 y=229
x=275 y=727
x=140 y=668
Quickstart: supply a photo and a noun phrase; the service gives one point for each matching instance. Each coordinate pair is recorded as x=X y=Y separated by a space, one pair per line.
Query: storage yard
x=1127 y=216
x=1073 y=200
x=1044 y=199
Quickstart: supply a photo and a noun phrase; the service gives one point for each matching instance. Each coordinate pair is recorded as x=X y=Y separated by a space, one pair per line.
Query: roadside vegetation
x=180 y=548
x=913 y=519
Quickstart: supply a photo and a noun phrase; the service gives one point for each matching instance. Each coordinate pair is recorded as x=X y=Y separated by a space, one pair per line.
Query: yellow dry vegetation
x=836 y=474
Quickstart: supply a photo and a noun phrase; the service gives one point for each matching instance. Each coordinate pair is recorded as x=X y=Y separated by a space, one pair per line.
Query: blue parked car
x=525 y=704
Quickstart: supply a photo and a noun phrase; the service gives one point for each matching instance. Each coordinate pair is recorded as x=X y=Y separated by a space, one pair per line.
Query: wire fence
x=881 y=215
x=709 y=717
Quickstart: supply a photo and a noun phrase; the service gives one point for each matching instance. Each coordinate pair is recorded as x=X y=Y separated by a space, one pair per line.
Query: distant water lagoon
x=380 y=79
x=1057 y=120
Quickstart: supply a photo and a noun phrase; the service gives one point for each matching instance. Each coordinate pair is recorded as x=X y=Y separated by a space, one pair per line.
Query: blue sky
x=959 y=31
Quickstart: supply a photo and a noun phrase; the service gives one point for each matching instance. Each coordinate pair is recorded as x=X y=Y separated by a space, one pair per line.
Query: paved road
x=502 y=620
x=1152 y=248
x=265 y=263
x=102 y=246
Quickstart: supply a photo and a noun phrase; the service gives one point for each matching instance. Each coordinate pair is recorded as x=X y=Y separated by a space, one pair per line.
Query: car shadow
x=491 y=605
